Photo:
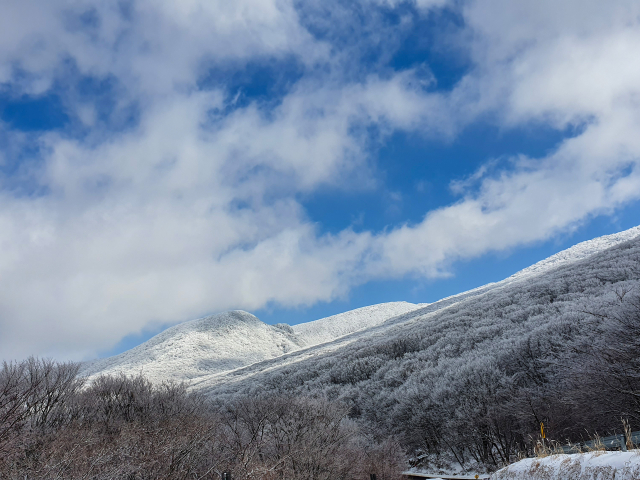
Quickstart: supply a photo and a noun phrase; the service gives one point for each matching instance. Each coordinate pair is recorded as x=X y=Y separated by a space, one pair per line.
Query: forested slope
x=472 y=380
x=466 y=380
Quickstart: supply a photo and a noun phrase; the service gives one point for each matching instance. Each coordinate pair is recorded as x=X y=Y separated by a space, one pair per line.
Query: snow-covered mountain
x=584 y=259
x=485 y=367
x=232 y=346
x=230 y=340
x=208 y=345
x=463 y=381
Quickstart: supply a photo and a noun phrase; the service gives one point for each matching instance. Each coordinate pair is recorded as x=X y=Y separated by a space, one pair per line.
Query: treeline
x=473 y=382
x=54 y=426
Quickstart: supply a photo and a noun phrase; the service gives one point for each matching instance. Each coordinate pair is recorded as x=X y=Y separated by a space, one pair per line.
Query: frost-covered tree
x=473 y=380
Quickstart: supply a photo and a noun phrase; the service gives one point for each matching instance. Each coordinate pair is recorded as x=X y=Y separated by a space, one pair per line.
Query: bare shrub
x=289 y=437
x=126 y=427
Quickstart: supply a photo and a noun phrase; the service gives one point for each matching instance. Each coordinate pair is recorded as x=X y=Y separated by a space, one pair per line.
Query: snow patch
x=579 y=466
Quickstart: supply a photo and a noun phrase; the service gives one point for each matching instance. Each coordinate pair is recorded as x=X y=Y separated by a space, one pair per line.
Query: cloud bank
x=167 y=195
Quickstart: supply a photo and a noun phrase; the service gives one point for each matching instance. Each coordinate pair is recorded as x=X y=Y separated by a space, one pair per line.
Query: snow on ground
x=579 y=466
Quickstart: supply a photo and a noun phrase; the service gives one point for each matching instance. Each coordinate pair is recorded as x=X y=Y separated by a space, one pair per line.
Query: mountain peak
x=230 y=319
x=229 y=340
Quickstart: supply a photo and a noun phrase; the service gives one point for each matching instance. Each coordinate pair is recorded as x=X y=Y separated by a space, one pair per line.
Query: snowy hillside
x=213 y=344
x=202 y=351
x=578 y=252
x=230 y=340
x=331 y=328
x=483 y=367
x=316 y=334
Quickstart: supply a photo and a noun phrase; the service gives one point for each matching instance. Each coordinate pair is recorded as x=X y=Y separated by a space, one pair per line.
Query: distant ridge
x=578 y=252
x=336 y=326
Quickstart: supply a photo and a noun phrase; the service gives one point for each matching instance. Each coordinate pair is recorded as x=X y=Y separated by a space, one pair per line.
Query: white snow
x=579 y=466
x=230 y=340
x=578 y=252
x=336 y=326
x=213 y=344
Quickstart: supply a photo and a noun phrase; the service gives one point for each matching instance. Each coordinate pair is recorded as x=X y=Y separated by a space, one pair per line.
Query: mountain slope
x=228 y=346
x=217 y=343
x=411 y=325
x=472 y=376
x=230 y=340
x=336 y=326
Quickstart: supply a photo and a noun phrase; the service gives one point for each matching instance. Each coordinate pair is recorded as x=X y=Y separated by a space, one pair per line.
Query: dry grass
x=627 y=434
x=598 y=446
x=545 y=448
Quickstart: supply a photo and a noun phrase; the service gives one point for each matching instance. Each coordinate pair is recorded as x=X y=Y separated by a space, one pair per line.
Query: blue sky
x=160 y=161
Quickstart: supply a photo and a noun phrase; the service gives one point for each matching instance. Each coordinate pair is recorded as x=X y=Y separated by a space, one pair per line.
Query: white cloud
x=567 y=64
x=194 y=209
x=188 y=213
x=150 y=46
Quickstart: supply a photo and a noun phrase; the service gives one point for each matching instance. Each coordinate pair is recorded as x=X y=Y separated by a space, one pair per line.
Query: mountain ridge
x=229 y=340
x=204 y=350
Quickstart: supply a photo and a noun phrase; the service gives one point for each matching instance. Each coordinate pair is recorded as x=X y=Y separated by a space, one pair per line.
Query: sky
x=164 y=160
